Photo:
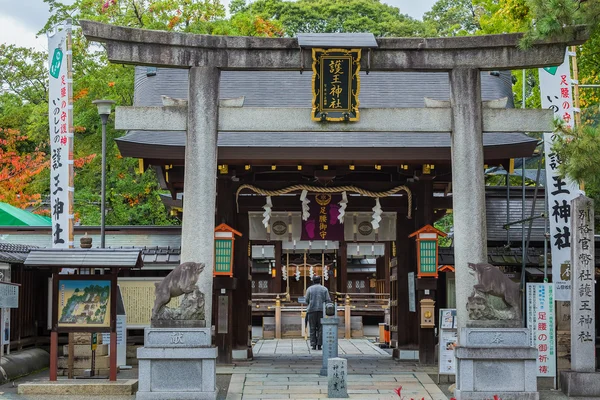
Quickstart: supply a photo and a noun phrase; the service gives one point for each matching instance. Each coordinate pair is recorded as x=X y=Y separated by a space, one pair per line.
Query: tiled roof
x=292 y=89
x=13 y=253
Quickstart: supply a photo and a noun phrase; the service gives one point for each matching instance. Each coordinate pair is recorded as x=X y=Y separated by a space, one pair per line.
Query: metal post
x=103 y=190
x=546 y=237
x=523 y=249
x=508 y=205
x=523 y=99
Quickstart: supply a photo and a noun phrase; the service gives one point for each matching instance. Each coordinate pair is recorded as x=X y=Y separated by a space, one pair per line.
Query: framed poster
x=84 y=303
x=448 y=340
x=540 y=321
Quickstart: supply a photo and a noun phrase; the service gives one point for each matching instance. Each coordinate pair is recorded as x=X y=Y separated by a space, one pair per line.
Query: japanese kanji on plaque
x=336 y=84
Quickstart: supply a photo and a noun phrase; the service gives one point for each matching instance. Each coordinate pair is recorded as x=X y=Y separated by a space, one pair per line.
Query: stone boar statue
x=182 y=280
x=492 y=281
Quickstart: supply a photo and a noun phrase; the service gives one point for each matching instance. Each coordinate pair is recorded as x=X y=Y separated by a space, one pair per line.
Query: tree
x=334 y=16
x=553 y=19
x=579 y=151
x=454 y=17
x=17 y=169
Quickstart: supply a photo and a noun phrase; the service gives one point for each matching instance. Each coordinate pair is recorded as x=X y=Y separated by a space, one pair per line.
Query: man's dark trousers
x=316 y=329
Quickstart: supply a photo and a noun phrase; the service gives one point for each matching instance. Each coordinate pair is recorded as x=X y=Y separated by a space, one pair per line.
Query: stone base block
x=85 y=362
x=175 y=395
x=85 y=350
x=241 y=354
x=80 y=387
x=580 y=384
x=496 y=362
x=490 y=395
x=177 y=364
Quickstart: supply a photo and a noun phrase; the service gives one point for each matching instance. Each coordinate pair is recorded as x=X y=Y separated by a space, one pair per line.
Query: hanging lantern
x=224 y=238
x=427 y=250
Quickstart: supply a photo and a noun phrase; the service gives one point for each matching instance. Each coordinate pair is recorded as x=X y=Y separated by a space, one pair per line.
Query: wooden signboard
x=336 y=84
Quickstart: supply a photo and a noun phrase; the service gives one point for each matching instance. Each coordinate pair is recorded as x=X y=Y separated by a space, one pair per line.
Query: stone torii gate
x=465 y=117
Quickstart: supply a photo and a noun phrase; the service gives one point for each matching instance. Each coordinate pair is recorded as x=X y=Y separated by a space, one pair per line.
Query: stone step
x=85 y=350
x=84 y=362
x=80 y=387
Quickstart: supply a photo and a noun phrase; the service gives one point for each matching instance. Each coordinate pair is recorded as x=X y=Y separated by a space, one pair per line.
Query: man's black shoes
x=319 y=347
x=314 y=347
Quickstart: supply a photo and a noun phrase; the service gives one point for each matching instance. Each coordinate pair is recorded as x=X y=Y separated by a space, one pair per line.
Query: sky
x=20 y=20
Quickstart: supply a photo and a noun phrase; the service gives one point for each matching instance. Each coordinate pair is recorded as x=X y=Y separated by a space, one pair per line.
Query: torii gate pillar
x=199 y=197
x=468 y=182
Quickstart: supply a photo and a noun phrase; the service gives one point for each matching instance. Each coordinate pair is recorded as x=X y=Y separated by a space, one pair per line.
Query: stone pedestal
x=177 y=363
x=495 y=362
x=330 y=341
x=337 y=378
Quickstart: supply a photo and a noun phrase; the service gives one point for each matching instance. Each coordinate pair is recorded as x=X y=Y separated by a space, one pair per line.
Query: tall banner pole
x=60 y=113
x=555 y=89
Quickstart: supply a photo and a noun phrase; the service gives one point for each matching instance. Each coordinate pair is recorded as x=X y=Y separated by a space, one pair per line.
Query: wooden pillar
x=407 y=321
x=278 y=318
x=426 y=287
x=222 y=298
x=54 y=333
x=223 y=302
x=386 y=266
x=242 y=296
x=113 y=325
x=278 y=265
x=343 y=267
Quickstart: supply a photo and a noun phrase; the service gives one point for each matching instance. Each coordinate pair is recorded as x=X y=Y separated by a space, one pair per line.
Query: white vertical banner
x=555 y=89
x=60 y=114
x=540 y=321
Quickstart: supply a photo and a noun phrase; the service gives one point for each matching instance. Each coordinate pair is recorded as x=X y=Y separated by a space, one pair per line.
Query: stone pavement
x=276 y=372
x=289 y=347
x=289 y=369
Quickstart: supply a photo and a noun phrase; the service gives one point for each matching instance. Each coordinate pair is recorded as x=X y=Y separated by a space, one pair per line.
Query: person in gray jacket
x=316 y=296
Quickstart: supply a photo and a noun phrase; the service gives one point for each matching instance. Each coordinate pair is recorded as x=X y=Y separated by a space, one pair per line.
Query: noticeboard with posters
x=448 y=340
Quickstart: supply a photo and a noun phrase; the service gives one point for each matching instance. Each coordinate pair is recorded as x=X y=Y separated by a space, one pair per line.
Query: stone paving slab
x=287 y=347
x=312 y=386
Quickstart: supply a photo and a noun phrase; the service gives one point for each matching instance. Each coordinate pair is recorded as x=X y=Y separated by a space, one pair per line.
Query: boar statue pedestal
x=178 y=359
x=494 y=356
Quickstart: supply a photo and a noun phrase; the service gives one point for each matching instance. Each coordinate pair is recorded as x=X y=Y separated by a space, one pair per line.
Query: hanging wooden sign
x=336 y=84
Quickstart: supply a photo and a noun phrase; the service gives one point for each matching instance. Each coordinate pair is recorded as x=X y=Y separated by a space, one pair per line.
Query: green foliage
x=580 y=152
x=552 y=18
x=445 y=225
x=331 y=16
x=454 y=17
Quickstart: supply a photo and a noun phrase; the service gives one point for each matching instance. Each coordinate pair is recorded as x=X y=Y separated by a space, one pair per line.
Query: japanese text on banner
x=555 y=88
x=61 y=139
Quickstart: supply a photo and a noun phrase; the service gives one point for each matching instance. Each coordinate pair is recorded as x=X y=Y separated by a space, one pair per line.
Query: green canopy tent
x=13 y=216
